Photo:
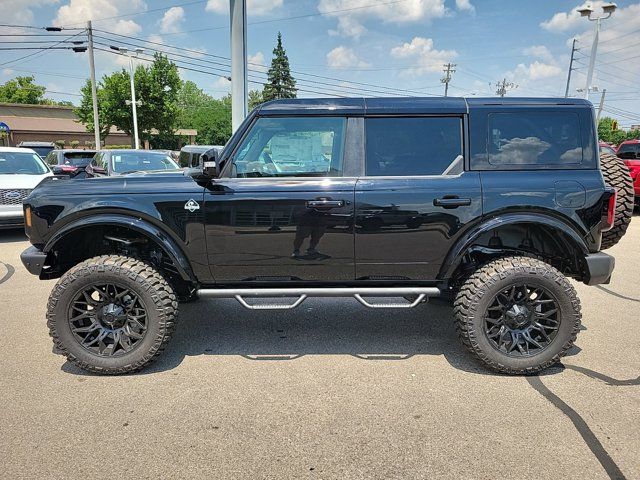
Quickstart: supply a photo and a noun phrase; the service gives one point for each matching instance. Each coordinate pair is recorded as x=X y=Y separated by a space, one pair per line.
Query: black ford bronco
x=490 y=202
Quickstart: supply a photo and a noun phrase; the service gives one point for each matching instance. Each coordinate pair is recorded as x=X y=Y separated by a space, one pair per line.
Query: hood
x=21 y=181
x=143 y=183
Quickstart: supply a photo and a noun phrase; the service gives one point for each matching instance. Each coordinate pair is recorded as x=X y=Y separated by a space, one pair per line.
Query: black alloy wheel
x=522 y=320
x=108 y=319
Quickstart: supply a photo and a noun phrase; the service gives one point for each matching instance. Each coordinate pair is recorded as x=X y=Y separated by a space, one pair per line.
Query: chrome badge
x=192 y=205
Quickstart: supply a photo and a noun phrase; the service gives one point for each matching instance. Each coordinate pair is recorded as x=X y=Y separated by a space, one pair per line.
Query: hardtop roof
x=403 y=105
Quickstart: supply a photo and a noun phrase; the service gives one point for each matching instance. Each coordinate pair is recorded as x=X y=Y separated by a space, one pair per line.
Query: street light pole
x=608 y=10
x=133 y=104
x=238 y=10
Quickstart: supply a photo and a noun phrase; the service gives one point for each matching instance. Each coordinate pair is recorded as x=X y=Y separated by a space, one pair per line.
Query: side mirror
x=209 y=163
x=57 y=170
x=99 y=171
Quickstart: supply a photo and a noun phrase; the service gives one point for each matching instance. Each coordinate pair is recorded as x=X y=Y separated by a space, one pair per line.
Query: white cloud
x=19 y=12
x=540 y=51
x=465 y=6
x=77 y=12
x=572 y=20
x=421 y=52
x=222 y=84
x=254 y=7
x=539 y=70
x=256 y=62
x=343 y=57
x=155 y=38
x=351 y=14
x=172 y=20
x=7 y=71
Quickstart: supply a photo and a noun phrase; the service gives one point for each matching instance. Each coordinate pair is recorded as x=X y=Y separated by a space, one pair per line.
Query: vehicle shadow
x=317 y=327
x=12 y=235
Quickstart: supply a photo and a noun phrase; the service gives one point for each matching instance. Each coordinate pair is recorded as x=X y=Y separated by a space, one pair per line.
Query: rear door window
x=535 y=138
x=405 y=146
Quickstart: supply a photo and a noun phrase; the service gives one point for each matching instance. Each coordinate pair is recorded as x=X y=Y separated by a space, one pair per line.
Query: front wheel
x=111 y=314
x=517 y=315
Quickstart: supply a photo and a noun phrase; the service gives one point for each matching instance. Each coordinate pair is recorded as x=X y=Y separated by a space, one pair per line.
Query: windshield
x=13 y=163
x=125 y=162
x=78 y=159
x=607 y=149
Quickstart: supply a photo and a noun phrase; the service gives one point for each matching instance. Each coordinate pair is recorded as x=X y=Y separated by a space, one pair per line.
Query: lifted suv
x=492 y=202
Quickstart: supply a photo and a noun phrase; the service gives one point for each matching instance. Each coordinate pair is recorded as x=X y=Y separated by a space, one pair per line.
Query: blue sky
x=348 y=47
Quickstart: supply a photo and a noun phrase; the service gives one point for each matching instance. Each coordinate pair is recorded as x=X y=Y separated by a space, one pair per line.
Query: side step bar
x=301 y=294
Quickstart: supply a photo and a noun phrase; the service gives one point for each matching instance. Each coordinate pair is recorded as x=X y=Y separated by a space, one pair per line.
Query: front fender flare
x=470 y=236
x=137 y=224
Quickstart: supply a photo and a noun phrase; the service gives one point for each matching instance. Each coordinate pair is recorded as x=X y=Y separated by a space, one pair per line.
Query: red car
x=629 y=151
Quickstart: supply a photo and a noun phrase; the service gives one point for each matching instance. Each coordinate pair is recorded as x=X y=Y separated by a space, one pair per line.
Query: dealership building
x=48 y=123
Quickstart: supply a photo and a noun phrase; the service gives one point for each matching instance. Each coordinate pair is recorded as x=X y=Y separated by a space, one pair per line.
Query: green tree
x=157 y=90
x=608 y=131
x=280 y=83
x=255 y=99
x=209 y=116
x=22 y=90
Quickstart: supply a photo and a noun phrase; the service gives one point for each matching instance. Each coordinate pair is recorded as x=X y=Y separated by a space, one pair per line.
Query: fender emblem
x=192 y=206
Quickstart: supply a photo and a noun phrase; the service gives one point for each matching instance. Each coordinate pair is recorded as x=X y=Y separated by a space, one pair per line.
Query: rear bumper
x=33 y=260
x=599 y=268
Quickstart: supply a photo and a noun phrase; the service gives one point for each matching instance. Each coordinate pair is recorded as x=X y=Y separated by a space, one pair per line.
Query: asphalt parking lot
x=328 y=390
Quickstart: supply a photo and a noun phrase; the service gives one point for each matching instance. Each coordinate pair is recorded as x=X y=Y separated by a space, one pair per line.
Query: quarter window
x=534 y=139
x=414 y=146
x=292 y=147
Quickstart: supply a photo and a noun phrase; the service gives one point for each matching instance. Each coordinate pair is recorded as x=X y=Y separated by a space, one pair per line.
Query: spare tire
x=616 y=174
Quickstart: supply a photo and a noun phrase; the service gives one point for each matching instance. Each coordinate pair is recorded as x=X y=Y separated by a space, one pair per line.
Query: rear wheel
x=616 y=174
x=111 y=314
x=517 y=315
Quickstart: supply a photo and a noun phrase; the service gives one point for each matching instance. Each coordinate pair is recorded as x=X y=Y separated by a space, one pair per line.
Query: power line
x=42 y=50
x=196 y=52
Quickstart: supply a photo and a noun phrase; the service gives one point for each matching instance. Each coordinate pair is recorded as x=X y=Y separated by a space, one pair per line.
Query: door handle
x=325 y=203
x=452 y=202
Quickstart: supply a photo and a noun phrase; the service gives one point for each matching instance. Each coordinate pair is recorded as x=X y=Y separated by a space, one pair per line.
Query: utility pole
x=239 y=90
x=504 y=87
x=573 y=51
x=448 y=70
x=604 y=92
x=94 y=92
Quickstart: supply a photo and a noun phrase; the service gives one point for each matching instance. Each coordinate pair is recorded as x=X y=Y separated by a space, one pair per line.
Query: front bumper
x=599 y=268
x=33 y=259
x=11 y=216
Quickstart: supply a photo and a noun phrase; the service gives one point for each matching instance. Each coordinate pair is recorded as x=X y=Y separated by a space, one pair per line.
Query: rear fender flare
x=137 y=224
x=456 y=252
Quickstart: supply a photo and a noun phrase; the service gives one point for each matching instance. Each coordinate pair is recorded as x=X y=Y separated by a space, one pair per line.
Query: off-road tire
x=140 y=277
x=616 y=174
x=477 y=293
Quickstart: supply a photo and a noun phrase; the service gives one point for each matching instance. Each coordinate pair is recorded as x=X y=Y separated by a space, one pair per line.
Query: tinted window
x=135 y=161
x=629 y=150
x=413 y=146
x=21 y=163
x=292 y=147
x=534 y=139
x=77 y=159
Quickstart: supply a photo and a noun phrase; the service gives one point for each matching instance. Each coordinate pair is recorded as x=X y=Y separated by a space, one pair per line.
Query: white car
x=21 y=170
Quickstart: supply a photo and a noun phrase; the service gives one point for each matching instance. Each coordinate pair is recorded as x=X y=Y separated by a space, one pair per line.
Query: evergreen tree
x=280 y=83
